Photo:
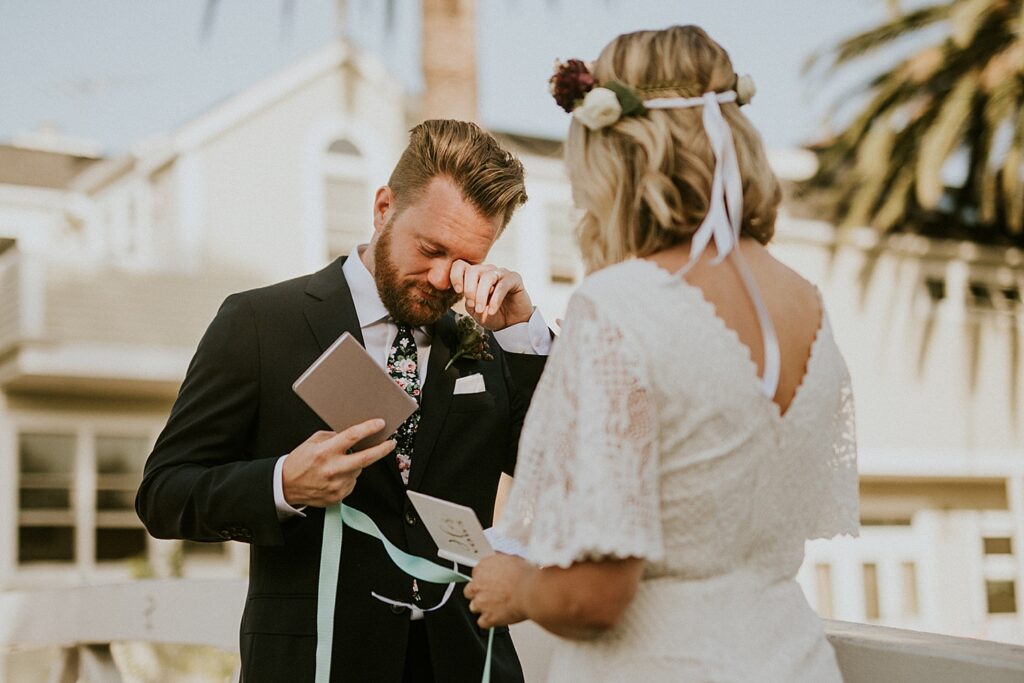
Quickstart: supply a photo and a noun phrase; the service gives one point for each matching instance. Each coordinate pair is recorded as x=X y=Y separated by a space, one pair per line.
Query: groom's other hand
x=495 y=297
x=321 y=471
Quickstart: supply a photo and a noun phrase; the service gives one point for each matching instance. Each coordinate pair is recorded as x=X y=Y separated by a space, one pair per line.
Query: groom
x=243 y=458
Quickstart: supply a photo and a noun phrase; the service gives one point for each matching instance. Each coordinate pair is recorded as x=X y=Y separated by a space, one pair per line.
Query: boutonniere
x=472 y=341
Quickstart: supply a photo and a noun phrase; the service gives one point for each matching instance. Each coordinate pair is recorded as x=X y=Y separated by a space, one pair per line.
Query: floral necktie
x=403 y=366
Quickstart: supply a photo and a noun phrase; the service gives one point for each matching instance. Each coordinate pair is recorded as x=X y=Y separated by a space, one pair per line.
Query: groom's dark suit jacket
x=209 y=478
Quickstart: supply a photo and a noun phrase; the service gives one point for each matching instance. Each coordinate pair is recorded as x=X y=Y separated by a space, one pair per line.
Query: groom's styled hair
x=489 y=177
x=645 y=182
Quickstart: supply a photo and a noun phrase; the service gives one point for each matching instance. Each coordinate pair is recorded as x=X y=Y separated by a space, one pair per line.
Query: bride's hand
x=492 y=593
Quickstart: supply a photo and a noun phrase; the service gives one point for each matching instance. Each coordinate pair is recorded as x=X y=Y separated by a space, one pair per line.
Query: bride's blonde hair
x=644 y=183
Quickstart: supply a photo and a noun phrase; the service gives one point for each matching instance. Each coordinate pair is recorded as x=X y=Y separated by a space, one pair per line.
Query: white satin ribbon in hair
x=725 y=214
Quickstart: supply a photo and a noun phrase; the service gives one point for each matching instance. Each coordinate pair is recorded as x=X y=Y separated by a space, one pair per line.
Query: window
x=998 y=546
x=1002 y=597
x=46 y=524
x=987 y=296
x=344 y=147
x=348 y=199
x=57 y=503
x=119 y=462
x=981 y=295
x=936 y=287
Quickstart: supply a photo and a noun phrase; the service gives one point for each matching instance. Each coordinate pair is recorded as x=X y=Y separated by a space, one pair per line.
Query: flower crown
x=599 y=105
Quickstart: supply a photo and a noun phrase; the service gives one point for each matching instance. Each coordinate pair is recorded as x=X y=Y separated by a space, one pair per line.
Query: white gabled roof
x=157 y=150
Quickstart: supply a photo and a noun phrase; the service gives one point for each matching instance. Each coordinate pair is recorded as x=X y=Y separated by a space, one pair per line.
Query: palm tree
x=952 y=103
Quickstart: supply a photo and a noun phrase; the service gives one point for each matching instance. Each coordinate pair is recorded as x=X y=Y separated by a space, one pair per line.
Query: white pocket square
x=470 y=384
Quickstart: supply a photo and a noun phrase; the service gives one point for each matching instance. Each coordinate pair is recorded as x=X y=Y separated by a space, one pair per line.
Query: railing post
x=97 y=664
x=65 y=669
x=86 y=663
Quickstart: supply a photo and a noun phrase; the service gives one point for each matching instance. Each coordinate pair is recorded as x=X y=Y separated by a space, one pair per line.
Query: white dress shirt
x=379 y=332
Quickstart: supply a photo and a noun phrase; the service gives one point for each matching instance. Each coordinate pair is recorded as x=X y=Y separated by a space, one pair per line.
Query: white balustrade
x=84 y=621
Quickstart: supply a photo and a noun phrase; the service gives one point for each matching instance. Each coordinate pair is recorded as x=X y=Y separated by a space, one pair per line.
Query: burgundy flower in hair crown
x=599 y=105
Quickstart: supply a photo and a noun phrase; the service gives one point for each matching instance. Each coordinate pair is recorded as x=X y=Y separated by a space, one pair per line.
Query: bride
x=694 y=425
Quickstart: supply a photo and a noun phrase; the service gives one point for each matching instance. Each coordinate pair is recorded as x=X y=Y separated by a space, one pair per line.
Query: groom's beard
x=402 y=299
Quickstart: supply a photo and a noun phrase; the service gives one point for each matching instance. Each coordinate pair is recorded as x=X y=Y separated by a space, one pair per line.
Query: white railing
x=84 y=621
x=876 y=653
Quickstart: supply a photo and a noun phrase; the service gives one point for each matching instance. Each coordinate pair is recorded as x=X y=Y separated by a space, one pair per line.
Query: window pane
x=119 y=463
x=44 y=499
x=46 y=544
x=121 y=455
x=47 y=454
x=46 y=532
x=344 y=147
x=998 y=546
x=119 y=544
x=1002 y=598
x=115 y=500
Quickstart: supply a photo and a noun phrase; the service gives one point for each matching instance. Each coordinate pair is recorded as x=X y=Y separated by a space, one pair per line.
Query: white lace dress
x=649 y=437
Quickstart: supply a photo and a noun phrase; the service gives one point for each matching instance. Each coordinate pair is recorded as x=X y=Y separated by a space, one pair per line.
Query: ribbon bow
x=725 y=215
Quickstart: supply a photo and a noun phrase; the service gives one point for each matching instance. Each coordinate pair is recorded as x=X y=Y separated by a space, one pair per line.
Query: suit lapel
x=437 y=397
x=330 y=313
x=329 y=310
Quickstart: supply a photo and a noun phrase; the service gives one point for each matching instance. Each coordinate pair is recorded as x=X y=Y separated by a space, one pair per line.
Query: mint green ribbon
x=336 y=517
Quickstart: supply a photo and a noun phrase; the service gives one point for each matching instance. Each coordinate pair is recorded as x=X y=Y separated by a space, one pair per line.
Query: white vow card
x=454 y=528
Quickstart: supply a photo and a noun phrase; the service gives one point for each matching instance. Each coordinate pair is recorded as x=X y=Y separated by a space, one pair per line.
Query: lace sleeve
x=837 y=507
x=586 y=486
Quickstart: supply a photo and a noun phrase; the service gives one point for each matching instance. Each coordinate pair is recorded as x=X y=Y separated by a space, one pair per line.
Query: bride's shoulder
x=619 y=278
x=626 y=288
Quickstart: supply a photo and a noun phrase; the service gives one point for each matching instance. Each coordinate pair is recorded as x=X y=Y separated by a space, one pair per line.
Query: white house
x=110 y=269
x=932 y=332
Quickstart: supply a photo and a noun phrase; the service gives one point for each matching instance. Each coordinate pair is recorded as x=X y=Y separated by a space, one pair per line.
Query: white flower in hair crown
x=745 y=88
x=599 y=105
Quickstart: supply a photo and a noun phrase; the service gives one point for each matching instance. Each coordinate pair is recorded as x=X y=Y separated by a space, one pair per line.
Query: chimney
x=449 y=59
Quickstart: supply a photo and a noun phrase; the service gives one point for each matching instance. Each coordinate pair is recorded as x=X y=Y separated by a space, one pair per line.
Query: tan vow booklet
x=344 y=386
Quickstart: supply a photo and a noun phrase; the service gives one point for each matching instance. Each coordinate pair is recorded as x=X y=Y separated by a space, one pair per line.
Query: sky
x=119 y=71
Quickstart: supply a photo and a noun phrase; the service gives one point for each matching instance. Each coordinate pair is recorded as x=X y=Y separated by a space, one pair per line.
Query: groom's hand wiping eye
x=495 y=297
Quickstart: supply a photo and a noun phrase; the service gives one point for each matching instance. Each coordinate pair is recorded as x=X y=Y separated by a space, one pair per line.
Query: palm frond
x=894 y=208
x=967 y=17
x=960 y=93
x=941 y=139
x=1012 y=190
x=882 y=36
